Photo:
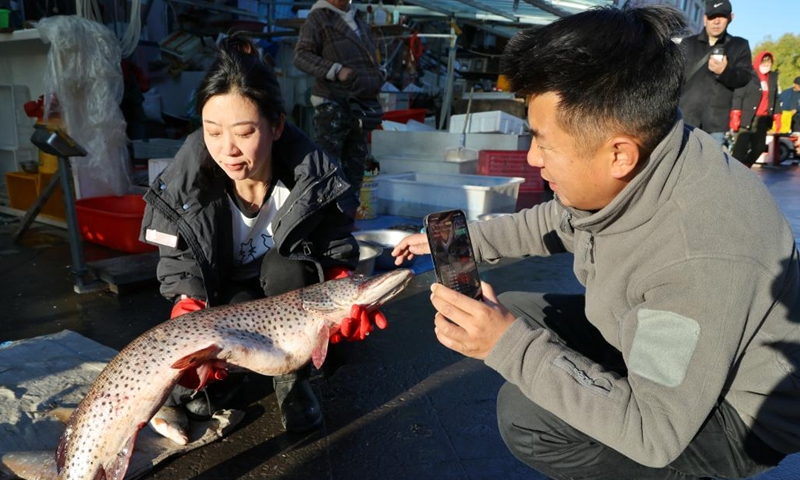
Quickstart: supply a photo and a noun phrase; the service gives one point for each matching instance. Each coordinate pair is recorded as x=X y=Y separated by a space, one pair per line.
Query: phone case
x=451 y=251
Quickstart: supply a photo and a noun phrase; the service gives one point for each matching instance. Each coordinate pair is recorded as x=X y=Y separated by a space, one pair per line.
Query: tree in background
x=786 y=51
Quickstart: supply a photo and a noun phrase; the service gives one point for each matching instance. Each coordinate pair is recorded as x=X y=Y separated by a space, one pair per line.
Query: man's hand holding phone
x=468 y=326
x=451 y=248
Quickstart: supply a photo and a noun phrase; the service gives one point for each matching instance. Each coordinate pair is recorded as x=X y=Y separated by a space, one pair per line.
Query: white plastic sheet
x=40 y=374
x=84 y=73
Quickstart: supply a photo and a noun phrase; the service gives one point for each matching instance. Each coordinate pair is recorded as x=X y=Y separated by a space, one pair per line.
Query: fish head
x=334 y=298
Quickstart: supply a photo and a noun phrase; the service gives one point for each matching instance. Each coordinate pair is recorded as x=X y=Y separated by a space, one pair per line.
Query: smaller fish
x=171 y=422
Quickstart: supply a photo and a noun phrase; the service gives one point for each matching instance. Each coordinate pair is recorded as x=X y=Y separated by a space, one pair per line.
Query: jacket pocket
x=599 y=385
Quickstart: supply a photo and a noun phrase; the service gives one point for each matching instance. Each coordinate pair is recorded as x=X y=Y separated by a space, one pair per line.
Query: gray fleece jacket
x=692 y=273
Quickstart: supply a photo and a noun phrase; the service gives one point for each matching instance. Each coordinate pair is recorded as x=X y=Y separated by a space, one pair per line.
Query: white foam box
x=434 y=144
x=156 y=166
x=495 y=121
x=418 y=164
x=156 y=148
x=418 y=194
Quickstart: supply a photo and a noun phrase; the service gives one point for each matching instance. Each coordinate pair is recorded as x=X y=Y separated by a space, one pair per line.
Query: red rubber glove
x=334 y=273
x=213 y=370
x=735 y=120
x=359 y=324
x=776 y=119
x=186 y=305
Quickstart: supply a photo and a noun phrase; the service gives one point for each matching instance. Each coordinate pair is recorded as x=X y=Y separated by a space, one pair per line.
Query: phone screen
x=452 y=254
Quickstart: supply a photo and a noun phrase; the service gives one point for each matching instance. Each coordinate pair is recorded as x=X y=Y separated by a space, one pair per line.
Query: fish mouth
x=376 y=291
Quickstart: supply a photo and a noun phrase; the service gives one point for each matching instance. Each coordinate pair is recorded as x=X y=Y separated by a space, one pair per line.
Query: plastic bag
x=84 y=73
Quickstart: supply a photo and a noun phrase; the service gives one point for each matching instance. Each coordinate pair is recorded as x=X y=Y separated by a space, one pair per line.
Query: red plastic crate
x=113 y=222
x=403 y=116
x=511 y=163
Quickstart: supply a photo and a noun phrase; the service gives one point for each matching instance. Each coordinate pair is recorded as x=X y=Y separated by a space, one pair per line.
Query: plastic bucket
x=368 y=197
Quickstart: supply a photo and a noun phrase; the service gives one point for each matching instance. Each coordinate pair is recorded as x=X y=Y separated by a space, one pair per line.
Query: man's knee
x=534 y=435
x=517 y=421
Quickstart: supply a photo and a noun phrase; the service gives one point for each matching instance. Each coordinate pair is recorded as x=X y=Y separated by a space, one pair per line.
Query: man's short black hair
x=616 y=71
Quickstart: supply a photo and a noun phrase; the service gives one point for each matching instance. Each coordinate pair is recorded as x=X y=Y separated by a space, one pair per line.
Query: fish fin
x=195 y=359
x=321 y=348
x=211 y=371
x=200 y=367
x=117 y=469
x=61 y=451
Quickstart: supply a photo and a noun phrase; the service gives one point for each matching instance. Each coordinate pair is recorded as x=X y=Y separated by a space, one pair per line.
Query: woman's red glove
x=186 y=305
x=358 y=325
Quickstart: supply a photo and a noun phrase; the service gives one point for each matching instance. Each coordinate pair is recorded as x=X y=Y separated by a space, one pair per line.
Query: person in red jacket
x=754 y=110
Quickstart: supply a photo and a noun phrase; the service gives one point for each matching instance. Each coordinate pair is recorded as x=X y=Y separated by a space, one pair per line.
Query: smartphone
x=451 y=250
x=717 y=53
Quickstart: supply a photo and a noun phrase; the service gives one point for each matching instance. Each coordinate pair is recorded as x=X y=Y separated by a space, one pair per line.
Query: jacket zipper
x=588 y=254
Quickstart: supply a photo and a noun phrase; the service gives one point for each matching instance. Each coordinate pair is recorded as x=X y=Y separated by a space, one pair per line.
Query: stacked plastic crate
x=513 y=163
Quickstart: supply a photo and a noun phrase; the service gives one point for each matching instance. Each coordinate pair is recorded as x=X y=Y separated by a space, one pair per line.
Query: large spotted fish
x=272 y=336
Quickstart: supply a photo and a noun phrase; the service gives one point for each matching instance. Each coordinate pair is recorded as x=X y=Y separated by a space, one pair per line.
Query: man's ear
x=626 y=155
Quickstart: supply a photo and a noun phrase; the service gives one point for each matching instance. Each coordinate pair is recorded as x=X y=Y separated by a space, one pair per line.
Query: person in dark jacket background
x=337 y=47
x=249 y=208
x=717 y=63
x=789 y=101
x=754 y=110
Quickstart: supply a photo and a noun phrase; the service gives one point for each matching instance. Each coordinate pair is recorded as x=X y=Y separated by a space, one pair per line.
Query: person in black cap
x=717 y=63
x=789 y=101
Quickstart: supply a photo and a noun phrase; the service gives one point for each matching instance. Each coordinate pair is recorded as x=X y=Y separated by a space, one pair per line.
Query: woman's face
x=238 y=138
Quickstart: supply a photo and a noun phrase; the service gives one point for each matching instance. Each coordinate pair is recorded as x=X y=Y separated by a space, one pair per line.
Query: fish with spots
x=271 y=336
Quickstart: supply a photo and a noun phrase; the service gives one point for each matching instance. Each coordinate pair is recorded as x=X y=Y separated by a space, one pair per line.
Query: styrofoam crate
x=418 y=194
x=418 y=164
x=495 y=121
x=512 y=163
x=156 y=148
x=156 y=166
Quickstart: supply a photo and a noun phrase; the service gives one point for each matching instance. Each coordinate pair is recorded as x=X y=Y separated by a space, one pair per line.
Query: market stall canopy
x=534 y=12
x=502 y=17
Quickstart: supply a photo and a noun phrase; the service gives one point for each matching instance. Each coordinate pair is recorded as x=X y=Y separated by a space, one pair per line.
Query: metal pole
x=75 y=243
x=444 y=117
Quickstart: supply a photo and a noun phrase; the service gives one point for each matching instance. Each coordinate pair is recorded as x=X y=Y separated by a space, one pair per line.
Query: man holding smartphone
x=680 y=360
x=717 y=63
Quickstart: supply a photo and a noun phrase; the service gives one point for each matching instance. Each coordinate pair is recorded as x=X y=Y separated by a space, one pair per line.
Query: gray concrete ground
x=397 y=406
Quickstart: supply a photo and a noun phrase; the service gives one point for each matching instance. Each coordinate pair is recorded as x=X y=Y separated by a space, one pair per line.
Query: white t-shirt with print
x=252 y=237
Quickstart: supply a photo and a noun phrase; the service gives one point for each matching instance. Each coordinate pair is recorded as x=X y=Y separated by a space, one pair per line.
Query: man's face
x=580 y=180
x=716 y=25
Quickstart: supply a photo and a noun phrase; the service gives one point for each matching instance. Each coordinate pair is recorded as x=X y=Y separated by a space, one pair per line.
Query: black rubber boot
x=300 y=410
x=216 y=396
